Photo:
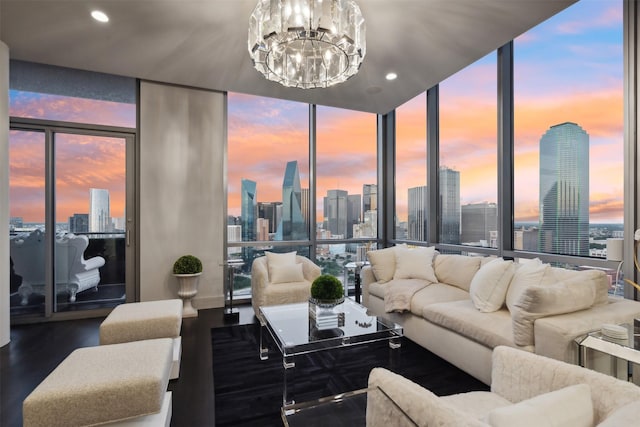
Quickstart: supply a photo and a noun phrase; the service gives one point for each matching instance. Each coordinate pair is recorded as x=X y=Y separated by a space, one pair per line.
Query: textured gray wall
x=4 y=193
x=182 y=146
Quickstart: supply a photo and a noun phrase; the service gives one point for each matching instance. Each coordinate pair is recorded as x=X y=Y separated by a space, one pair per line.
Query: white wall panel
x=181 y=194
x=4 y=193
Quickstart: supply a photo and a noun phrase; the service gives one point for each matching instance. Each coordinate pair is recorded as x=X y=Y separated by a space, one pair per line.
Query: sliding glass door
x=71 y=220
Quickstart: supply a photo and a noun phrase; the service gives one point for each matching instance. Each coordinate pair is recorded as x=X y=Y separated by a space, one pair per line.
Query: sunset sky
x=569 y=68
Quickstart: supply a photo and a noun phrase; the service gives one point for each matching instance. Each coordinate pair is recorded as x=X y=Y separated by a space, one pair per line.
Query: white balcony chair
x=73 y=273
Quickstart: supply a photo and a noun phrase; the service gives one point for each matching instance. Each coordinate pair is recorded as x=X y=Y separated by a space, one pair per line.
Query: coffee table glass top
x=295 y=332
x=347 y=409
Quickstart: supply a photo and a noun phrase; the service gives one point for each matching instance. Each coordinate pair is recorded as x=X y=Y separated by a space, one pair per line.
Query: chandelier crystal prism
x=307 y=43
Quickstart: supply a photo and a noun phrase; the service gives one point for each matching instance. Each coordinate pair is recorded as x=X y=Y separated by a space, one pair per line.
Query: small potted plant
x=327 y=291
x=187 y=270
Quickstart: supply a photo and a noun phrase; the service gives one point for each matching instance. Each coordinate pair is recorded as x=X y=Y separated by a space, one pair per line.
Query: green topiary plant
x=327 y=287
x=187 y=264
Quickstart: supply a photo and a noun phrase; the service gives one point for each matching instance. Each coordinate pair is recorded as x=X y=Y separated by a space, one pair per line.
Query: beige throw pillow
x=416 y=263
x=569 y=406
x=530 y=273
x=383 y=263
x=489 y=286
x=275 y=260
x=286 y=273
x=456 y=270
x=542 y=301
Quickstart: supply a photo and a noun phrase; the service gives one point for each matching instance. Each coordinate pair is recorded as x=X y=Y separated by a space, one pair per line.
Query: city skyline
x=262 y=131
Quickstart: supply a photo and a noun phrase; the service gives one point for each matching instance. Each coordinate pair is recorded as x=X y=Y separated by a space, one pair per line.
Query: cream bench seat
x=143 y=321
x=120 y=384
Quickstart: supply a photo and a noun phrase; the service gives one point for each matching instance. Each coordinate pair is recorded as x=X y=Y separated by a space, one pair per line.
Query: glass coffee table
x=293 y=330
x=346 y=409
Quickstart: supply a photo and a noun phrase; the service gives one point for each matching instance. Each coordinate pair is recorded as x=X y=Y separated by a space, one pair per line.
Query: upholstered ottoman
x=145 y=320
x=124 y=383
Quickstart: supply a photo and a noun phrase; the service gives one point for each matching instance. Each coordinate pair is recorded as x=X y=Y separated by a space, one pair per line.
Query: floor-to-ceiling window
x=267 y=181
x=70 y=161
x=346 y=189
x=568 y=125
x=411 y=213
x=468 y=156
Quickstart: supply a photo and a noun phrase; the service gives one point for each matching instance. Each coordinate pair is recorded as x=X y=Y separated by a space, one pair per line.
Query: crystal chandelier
x=307 y=43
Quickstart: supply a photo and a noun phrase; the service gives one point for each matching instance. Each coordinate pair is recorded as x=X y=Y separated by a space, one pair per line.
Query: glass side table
x=346 y=409
x=627 y=350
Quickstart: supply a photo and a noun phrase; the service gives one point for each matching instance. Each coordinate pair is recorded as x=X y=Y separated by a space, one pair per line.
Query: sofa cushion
x=476 y=403
x=488 y=287
x=541 y=301
x=490 y=329
x=569 y=406
x=286 y=273
x=377 y=289
x=529 y=273
x=416 y=263
x=456 y=270
x=595 y=278
x=435 y=293
x=626 y=415
x=383 y=263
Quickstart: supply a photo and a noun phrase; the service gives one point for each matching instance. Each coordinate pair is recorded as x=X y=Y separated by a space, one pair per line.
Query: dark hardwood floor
x=35 y=350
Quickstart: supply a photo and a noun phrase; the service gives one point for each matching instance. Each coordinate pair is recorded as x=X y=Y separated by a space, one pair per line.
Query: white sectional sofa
x=526 y=390
x=462 y=307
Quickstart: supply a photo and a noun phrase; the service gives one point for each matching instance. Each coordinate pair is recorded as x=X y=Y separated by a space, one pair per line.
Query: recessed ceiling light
x=99 y=16
x=391 y=76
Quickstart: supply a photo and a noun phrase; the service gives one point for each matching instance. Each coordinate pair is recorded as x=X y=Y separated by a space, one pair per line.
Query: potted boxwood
x=187 y=270
x=327 y=291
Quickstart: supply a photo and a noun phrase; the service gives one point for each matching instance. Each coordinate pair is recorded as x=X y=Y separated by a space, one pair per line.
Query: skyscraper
x=335 y=212
x=79 y=223
x=99 y=211
x=449 y=205
x=354 y=212
x=478 y=221
x=417 y=213
x=305 y=208
x=270 y=211
x=564 y=190
x=248 y=210
x=292 y=226
x=369 y=198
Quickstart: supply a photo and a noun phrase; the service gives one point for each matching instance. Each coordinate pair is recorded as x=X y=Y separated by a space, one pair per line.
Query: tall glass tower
x=449 y=205
x=249 y=208
x=564 y=190
x=417 y=213
x=335 y=212
x=99 y=211
x=292 y=223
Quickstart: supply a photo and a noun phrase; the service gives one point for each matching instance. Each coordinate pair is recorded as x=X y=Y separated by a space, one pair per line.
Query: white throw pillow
x=286 y=273
x=456 y=270
x=275 y=260
x=489 y=286
x=416 y=263
x=527 y=274
x=383 y=263
x=548 y=300
x=569 y=406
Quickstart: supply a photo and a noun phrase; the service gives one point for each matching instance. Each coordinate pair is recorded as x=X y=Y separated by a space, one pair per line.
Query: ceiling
x=203 y=43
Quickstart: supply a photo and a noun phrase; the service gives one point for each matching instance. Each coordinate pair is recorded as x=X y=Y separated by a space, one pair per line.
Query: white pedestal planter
x=188 y=289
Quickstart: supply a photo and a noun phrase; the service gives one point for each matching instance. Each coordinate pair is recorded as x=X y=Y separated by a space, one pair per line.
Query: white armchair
x=73 y=273
x=273 y=290
x=533 y=389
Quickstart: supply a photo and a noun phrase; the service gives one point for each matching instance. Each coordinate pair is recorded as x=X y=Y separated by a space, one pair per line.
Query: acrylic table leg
x=289 y=366
x=395 y=348
x=264 y=350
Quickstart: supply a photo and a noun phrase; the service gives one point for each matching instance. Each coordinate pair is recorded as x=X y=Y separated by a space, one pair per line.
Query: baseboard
x=208 y=302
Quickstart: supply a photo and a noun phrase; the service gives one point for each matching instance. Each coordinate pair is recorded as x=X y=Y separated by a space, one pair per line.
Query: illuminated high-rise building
x=564 y=190
x=99 y=211
x=449 y=205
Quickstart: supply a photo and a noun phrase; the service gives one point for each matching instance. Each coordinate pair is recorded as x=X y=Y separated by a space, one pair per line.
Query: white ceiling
x=203 y=43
